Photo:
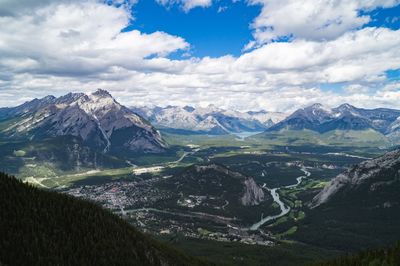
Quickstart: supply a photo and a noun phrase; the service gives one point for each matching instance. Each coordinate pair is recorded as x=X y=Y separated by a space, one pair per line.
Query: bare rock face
x=253 y=194
x=375 y=173
x=209 y=120
x=97 y=118
x=344 y=117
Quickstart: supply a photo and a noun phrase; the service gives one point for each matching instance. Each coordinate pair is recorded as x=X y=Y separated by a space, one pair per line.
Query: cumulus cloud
x=360 y=55
x=80 y=46
x=78 y=39
x=186 y=4
x=16 y=7
x=310 y=19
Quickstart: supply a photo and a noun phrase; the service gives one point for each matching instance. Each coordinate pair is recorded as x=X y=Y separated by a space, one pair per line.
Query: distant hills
x=46 y=228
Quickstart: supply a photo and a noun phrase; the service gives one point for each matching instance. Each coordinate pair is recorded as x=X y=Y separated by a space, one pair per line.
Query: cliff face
x=370 y=177
x=253 y=194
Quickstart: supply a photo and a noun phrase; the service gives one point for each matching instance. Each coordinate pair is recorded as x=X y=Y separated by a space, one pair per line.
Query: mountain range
x=321 y=119
x=96 y=119
x=208 y=120
x=95 y=130
x=104 y=124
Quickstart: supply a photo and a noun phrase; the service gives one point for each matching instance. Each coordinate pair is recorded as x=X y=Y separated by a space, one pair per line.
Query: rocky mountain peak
x=49 y=98
x=97 y=119
x=346 y=106
x=188 y=108
x=316 y=106
x=101 y=93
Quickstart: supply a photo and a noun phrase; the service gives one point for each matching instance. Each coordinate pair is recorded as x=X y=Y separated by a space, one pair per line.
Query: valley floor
x=202 y=224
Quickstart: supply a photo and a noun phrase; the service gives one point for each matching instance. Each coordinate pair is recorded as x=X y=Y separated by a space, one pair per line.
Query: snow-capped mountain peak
x=345 y=117
x=102 y=93
x=97 y=118
x=207 y=119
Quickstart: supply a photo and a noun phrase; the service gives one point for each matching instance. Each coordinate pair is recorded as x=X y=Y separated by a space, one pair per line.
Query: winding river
x=275 y=195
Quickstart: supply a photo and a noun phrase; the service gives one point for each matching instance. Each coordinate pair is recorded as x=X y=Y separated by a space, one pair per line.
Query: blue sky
x=277 y=55
x=385 y=17
x=211 y=33
x=224 y=28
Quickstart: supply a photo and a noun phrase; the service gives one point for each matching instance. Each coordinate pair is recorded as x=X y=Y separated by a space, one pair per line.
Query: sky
x=276 y=55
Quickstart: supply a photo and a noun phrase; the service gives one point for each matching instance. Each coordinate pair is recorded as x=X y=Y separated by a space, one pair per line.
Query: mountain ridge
x=371 y=176
x=96 y=118
x=321 y=119
x=208 y=120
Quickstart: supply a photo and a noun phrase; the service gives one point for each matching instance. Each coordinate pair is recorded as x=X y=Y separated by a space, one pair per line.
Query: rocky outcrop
x=372 y=174
x=253 y=194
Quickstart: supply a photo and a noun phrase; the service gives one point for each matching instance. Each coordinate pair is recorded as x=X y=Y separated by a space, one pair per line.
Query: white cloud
x=222 y=9
x=186 y=4
x=62 y=47
x=78 y=39
x=16 y=7
x=310 y=19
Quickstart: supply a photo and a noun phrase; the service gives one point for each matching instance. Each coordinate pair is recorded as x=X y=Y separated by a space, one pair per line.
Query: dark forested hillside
x=378 y=257
x=46 y=228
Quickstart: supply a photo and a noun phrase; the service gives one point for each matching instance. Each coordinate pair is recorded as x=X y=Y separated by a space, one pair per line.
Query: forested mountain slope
x=46 y=228
x=382 y=256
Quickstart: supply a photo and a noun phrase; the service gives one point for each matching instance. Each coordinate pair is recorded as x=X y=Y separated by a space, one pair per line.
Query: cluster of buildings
x=160 y=223
x=121 y=195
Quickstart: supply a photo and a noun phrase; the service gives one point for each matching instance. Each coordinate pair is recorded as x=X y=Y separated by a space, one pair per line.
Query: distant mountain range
x=97 y=119
x=208 y=120
x=345 y=117
x=101 y=124
x=317 y=118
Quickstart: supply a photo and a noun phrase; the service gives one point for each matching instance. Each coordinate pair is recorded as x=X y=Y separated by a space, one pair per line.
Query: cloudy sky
x=276 y=55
